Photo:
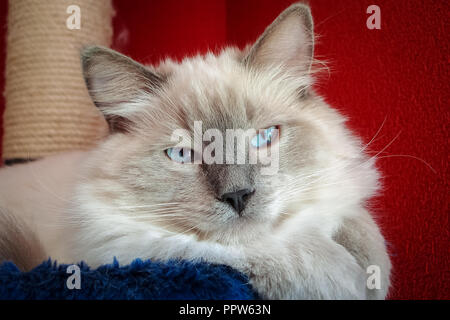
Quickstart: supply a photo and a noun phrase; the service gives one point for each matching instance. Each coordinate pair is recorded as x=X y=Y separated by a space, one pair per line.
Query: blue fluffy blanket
x=139 y=280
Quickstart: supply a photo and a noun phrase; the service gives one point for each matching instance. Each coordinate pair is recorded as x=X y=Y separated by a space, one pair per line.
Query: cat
x=302 y=232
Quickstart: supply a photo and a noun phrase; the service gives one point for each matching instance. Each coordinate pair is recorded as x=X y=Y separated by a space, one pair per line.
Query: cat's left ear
x=287 y=42
x=116 y=84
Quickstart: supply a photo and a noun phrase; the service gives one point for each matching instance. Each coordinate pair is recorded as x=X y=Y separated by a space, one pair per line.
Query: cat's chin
x=239 y=231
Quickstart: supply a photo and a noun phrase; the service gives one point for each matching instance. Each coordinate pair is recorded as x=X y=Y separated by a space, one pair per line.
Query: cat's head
x=153 y=168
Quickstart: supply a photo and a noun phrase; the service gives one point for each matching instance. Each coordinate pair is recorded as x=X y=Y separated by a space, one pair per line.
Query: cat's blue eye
x=265 y=137
x=180 y=155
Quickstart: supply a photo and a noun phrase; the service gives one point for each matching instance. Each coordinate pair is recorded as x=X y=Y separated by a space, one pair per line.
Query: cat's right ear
x=287 y=43
x=115 y=82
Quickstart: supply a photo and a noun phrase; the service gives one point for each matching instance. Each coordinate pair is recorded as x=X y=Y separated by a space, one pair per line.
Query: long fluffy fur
x=18 y=243
x=305 y=233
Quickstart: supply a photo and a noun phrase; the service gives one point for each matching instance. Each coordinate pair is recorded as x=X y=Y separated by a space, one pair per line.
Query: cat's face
x=167 y=181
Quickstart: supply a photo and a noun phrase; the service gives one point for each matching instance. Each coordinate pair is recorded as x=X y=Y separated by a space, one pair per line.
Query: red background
x=398 y=74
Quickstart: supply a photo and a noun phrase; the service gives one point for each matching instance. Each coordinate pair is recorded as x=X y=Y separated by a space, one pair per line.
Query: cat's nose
x=237 y=199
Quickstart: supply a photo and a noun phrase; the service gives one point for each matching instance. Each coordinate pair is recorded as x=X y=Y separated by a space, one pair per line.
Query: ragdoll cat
x=300 y=232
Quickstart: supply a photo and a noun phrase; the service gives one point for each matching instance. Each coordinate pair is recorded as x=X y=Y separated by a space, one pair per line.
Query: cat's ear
x=287 y=42
x=115 y=82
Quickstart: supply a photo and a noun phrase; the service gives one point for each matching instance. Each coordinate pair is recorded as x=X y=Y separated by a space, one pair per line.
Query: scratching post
x=48 y=109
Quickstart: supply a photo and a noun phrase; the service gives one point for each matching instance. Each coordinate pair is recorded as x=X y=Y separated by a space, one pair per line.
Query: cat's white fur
x=299 y=260
x=313 y=243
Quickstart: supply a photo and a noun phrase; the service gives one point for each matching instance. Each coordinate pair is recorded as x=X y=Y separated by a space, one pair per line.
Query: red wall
x=398 y=74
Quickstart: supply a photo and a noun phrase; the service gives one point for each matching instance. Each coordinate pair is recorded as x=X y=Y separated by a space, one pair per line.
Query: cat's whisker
x=410 y=156
x=147 y=206
x=376 y=134
x=343 y=184
x=382 y=150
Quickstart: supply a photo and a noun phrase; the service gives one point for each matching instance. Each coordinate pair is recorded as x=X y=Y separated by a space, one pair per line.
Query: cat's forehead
x=222 y=93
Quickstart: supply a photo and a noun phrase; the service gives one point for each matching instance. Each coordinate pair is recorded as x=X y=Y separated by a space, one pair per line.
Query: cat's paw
x=335 y=274
x=323 y=270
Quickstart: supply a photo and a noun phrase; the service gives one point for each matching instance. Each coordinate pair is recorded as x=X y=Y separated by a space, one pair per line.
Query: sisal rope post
x=48 y=108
